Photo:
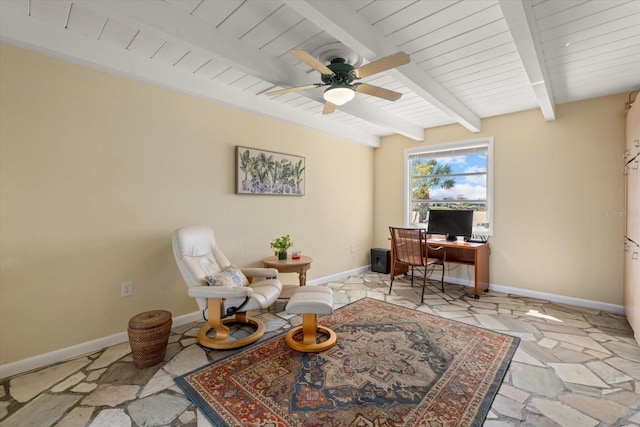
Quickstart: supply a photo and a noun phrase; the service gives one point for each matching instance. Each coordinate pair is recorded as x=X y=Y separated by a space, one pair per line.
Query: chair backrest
x=197 y=256
x=409 y=245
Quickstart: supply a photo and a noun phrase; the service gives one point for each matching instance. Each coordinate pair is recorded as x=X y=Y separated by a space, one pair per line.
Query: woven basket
x=148 y=337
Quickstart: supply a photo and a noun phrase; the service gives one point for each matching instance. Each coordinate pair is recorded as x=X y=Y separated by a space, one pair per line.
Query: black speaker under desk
x=381 y=260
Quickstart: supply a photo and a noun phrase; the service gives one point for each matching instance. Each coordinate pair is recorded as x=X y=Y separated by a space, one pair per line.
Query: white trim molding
x=339 y=276
x=35 y=362
x=31 y=363
x=562 y=299
x=68 y=353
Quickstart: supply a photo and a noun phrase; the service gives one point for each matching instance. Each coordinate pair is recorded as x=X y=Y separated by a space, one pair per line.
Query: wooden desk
x=290 y=265
x=475 y=254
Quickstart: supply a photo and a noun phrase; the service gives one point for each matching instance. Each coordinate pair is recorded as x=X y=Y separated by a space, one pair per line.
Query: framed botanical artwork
x=268 y=172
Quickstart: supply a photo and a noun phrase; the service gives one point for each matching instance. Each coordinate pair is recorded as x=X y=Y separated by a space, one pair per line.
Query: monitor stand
x=451 y=238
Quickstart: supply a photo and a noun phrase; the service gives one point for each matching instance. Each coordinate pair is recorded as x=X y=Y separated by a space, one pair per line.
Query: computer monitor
x=452 y=223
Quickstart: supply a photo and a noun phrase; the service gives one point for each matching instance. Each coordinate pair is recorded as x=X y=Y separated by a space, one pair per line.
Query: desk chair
x=411 y=248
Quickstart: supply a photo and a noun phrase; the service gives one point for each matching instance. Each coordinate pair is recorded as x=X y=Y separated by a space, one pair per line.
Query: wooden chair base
x=221 y=341
x=310 y=329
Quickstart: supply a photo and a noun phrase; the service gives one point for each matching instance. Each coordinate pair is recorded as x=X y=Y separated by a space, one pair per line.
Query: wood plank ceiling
x=470 y=59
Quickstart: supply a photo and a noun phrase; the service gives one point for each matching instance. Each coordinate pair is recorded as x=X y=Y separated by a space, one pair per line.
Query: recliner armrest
x=219 y=292
x=259 y=272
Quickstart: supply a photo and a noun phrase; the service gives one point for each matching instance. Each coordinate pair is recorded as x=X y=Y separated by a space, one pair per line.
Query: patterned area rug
x=391 y=366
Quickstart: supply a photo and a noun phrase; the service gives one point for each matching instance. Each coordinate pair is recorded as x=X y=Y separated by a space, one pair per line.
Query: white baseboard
x=14 y=368
x=612 y=308
x=338 y=276
x=25 y=365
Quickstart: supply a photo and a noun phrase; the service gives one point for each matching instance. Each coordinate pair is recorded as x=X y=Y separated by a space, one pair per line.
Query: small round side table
x=290 y=265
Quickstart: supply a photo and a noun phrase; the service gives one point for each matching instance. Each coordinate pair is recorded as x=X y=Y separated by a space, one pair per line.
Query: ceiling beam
x=346 y=25
x=19 y=29
x=522 y=24
x=176 y=24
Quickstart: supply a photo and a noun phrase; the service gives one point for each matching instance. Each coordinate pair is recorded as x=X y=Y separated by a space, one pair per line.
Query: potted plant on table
x=280 y=246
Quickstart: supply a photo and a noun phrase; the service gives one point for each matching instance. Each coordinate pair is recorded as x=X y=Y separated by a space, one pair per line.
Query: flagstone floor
x=574 y=366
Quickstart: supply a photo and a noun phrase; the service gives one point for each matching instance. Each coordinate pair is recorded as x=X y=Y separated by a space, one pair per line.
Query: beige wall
x=97 y=171
x=558 y=197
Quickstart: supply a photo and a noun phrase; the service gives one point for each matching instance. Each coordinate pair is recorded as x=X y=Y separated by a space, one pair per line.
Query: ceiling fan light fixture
x=339 y=95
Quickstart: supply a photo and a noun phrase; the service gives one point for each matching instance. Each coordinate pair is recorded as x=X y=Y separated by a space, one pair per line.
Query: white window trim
x=488 y=141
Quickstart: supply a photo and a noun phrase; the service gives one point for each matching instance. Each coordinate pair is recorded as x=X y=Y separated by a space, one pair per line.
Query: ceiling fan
x=339 y=76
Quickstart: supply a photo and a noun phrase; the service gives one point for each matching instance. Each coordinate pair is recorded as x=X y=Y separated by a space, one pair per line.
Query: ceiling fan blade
x=378 y=91
x=382 y=64
x=293 y=89
x=310 y=61
x=328 y=108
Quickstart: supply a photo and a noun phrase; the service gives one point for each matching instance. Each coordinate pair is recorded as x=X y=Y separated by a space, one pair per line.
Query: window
x=450 y=176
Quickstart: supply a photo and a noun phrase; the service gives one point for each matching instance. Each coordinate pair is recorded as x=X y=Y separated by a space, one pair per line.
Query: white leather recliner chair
x=223 y=292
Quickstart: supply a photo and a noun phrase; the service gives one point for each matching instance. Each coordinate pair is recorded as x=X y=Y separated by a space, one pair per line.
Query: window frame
x=444 y=147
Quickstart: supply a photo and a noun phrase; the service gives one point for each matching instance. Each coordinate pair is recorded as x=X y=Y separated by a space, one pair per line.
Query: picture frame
x=265 y=172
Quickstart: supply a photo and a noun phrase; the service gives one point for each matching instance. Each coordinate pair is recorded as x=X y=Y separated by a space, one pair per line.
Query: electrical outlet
x=127 y=289
x=353 y=249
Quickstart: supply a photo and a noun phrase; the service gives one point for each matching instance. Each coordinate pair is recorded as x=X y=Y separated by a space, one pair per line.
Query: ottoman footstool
x=311 y=301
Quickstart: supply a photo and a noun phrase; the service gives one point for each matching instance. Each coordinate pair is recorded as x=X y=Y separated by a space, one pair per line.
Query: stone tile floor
x=574 y=366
